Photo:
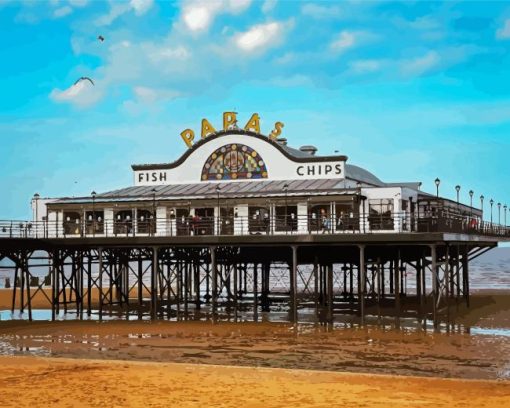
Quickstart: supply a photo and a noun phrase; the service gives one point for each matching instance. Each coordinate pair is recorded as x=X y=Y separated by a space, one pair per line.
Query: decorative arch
x=234 y=162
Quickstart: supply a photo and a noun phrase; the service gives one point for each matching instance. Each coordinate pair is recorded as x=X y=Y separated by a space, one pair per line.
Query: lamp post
x=437 y=181
x=481 y=204
x=491 y=202
x=93 y=194
x=286 y=189
x=36 y=199
x=505 y=207
x=499 y=213
x=457 y=189
x=153 y=211
x=218 y=221
x=471 y=192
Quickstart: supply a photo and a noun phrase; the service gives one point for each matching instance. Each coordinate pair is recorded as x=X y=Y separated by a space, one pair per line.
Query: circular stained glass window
x=234 y=161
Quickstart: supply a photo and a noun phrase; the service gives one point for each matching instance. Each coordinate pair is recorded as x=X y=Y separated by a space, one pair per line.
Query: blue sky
x=411 y=91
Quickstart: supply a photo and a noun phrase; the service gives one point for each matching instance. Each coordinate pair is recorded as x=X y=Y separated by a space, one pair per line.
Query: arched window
x=234 y=162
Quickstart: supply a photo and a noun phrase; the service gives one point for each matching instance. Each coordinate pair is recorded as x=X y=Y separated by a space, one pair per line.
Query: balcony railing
x=243 y=225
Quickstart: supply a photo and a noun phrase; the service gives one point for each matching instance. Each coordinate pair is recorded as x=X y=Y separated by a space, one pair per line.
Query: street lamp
x=286 y=189
x=491 y=202
x=457 y=189
x=471 y=192
x=36 y=199
x=153 y=210
x=481 y=204
x=437 y=181
x=505 y=207
x=499 y=213
x=93 y=194
x=218 y=221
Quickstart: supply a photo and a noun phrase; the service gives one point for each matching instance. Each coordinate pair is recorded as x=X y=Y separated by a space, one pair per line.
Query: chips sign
x=230 y=123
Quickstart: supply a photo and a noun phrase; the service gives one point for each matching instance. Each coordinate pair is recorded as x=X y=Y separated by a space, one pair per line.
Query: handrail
x=313 y=223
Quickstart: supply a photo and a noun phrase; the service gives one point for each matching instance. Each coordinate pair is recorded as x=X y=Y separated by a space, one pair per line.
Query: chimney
x=311 y=150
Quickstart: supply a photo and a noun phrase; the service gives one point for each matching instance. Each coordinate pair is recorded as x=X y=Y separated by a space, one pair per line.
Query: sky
x=409 y=90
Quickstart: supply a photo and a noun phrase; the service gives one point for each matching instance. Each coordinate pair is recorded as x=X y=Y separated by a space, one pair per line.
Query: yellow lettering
x=229 y=119
x=253 y=124
x=277 y=131
x=188 y=136
x=207 y=128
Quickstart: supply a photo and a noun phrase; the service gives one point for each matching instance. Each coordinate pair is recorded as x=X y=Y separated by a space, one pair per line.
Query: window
x=123 y=222
x=380 y=216
x=258 y=219
x=94 y=222
x=234 y=162
x=72 y=223
x=286 y=218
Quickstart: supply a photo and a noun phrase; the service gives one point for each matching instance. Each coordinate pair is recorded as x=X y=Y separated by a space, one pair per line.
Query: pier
x=242 y=226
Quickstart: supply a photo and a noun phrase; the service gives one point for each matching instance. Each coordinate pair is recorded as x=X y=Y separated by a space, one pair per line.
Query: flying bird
x=100 y=38
x=84 y=79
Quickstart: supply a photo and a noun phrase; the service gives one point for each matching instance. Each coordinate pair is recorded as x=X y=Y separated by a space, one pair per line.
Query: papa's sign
x=230 y=122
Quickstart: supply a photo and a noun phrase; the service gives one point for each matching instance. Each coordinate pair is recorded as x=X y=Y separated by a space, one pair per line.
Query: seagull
x=84 y=79
x=100 y=38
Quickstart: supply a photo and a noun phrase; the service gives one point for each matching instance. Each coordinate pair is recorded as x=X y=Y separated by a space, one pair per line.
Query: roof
x=245 y=189
x=360 y=174
x=289 y=152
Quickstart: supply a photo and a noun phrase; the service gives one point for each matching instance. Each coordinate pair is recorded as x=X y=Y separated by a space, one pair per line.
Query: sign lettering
x=230 y=122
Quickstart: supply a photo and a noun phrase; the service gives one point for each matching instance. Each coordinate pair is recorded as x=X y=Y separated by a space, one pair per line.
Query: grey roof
x=244 y=189
x=360 y=174
x=295 y=152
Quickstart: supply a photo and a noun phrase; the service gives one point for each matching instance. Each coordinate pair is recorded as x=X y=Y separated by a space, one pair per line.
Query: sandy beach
x=198 y=363
x=32 y=381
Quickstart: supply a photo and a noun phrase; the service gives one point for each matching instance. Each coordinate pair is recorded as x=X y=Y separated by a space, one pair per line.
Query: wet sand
x=372 y=349
x=368 y=350
x=29 y=382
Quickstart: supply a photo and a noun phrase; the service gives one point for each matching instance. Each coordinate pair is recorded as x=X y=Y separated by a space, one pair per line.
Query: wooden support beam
x=154 y=282
x=433 y=254
x=293 y=284
x=362 y=277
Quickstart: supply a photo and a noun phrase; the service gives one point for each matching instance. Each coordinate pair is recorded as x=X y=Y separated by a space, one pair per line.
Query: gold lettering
x=277 y=131
x=188 y=136
x=207 y=128
x=229 y=118
x=253 y=124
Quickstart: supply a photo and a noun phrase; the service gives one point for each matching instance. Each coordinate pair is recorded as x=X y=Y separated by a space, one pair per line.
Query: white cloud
x=150 y=95
x=82 y=94
x=320 y=11
x=158 y=54
x=344 y=40
x=504 y=32
x=365 y=66
x=420 y=65
x=62 y=12
x=268 y=5
x=139 y=7
x=198 y=15
x=238 y=6
x=260 y=36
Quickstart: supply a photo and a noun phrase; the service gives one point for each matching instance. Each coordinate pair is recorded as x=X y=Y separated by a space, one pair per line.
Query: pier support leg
x=433 y=252
x=362 y=277
x=293 y=285
x=100 y=278
x=214 y=282
x=154 y=283
x=397 y=281
x=465 y=275
x=330 y=293
x=255 y=293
